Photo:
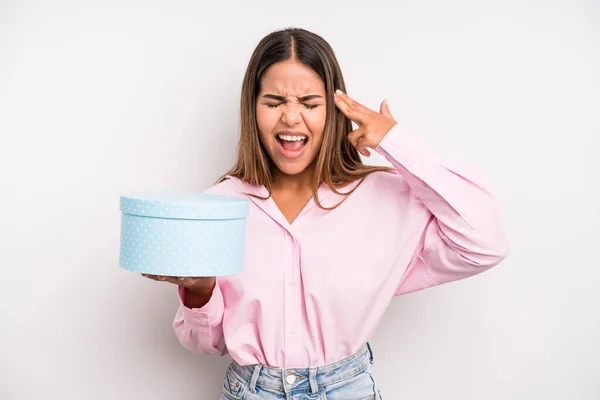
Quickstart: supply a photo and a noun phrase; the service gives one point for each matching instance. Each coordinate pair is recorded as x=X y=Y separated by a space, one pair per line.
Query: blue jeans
x=347 y=379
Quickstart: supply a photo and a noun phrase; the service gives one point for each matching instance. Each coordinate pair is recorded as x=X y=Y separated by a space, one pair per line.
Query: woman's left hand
x=372 y=125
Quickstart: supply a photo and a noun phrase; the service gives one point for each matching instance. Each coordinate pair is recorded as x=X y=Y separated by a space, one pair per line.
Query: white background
x=102 y=97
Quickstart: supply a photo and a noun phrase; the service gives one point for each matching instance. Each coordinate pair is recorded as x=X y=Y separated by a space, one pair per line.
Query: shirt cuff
x=405 y=148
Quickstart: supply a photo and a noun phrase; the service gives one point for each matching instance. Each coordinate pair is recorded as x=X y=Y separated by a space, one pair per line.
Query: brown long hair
x=338 y=163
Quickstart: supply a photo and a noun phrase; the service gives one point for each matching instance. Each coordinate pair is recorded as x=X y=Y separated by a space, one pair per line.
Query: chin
x=292 y=169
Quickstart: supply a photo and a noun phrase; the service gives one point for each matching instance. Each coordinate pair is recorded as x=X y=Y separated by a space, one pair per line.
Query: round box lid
x=182 y=205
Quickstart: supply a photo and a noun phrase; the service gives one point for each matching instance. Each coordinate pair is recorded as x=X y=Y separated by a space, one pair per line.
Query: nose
x=291 y=114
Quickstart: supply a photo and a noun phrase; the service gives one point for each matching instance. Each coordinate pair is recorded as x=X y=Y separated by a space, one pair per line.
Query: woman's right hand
x=198 y=289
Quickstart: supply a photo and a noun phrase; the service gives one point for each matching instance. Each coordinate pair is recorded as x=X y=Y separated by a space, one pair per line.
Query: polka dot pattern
x=172 y=245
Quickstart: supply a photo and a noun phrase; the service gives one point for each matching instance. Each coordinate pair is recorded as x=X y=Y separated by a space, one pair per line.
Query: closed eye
x=307 y=106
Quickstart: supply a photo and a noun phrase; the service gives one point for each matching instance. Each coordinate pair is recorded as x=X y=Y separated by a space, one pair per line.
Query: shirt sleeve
x=465 y=235
x=201 y=329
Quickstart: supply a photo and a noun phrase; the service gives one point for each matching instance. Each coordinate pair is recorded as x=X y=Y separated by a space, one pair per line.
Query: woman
x=330 y=241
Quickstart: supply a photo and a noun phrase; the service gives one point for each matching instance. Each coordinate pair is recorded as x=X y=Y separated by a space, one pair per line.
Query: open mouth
x=292 y=145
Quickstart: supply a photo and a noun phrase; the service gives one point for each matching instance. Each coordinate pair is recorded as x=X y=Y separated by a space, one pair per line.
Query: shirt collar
x=327 y=197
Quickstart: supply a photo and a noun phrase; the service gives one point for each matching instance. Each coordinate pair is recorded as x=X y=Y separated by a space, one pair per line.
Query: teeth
x=289 y=138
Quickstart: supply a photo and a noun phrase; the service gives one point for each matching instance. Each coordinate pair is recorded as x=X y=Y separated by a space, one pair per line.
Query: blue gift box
x=182 y=234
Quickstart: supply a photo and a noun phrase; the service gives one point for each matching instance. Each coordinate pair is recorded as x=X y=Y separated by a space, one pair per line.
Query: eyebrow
x=302 y=99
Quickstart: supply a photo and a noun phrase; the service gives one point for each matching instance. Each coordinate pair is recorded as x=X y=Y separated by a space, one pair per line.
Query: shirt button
x=416 y=167
x=398 y=153
x=290 y=379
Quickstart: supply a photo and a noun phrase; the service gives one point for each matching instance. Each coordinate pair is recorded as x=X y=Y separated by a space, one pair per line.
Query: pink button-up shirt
x=314 y=291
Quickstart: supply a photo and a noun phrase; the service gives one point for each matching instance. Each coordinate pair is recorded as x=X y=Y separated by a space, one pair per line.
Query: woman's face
x=291 y=112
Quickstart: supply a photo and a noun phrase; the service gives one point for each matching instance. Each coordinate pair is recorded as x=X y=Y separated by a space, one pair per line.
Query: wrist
x=197 y=298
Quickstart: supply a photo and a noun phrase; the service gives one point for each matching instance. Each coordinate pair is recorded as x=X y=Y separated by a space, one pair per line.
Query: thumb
x=385 y=109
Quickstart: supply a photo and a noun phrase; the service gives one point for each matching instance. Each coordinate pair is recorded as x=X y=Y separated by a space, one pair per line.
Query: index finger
x=351 y=108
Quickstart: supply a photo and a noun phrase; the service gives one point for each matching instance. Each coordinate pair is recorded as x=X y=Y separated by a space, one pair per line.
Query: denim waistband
x=288 y=379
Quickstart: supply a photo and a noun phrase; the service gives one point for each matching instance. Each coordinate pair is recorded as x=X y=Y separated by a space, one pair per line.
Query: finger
x=358 y=140
x=162 y=278
x=343 y=107
x=172 y=279
x=349 y=107
x=362 y=147
x=190 y=282
x=355 y=136
x=384 y=109
x=361 y=110
x=183 y=281
x=350 y=101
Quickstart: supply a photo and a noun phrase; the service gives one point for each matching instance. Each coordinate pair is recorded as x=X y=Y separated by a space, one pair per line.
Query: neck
x=301 y=182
